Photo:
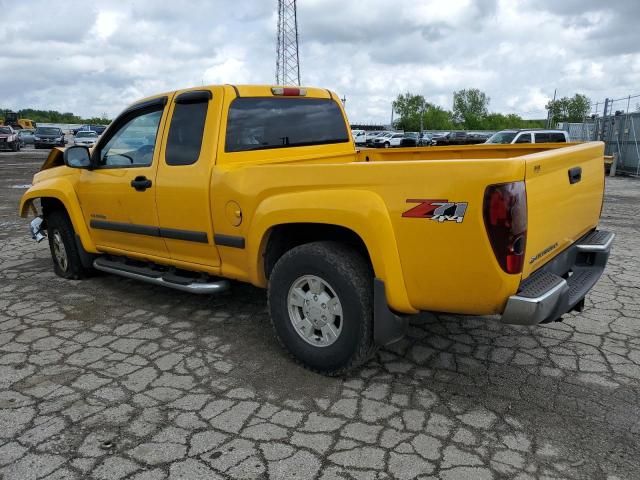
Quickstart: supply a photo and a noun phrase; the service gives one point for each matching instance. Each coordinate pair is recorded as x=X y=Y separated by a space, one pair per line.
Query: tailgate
x=565 y=187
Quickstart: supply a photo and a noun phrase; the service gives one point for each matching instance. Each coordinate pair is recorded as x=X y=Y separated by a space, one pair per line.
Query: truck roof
x=532 y=130
x=255 y=91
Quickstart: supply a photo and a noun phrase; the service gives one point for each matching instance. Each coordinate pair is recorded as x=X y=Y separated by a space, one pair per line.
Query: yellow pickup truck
x=264 y=185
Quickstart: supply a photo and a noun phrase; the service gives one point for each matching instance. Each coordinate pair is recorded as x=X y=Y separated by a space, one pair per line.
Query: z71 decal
x=438 y=210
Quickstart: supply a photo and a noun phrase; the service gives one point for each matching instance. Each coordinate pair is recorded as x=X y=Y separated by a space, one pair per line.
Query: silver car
x=85 y=138
x=26 y=137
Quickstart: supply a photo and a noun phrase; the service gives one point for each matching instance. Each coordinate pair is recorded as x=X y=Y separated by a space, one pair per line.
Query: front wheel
x=387 y=145
x=320 y=300
x=62 y=243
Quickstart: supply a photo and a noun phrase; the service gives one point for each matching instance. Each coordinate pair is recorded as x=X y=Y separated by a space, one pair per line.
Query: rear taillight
x=505 y=218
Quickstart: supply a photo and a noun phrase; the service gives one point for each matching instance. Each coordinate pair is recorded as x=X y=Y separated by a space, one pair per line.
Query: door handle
x=141 y=183
x=575 y=175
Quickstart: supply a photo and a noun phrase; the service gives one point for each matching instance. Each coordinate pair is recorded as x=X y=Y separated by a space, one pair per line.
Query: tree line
x=471 y=112
x=53 y=116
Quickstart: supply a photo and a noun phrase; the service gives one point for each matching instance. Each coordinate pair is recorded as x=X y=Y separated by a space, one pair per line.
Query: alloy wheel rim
x=59 y=252
x=315 y=311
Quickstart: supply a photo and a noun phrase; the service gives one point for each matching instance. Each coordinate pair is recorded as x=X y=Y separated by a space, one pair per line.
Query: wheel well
x=50 y=204
x=283 y=238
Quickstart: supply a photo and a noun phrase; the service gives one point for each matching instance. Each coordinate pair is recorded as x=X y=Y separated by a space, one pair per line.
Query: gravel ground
x=109 y=379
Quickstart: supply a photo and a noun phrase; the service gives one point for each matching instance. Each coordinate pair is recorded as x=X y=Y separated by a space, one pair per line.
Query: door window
x=133 y=144
x=557 y=137
x=524 y=138
x=542 y=137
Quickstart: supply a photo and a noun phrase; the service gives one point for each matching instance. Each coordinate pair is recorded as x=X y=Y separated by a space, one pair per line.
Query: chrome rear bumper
x=561 y=285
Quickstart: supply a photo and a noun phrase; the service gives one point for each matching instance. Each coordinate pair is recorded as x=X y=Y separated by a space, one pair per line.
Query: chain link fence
x=621 y=134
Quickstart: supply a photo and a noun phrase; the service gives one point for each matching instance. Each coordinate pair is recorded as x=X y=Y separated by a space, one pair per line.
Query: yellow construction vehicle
x=11 y=119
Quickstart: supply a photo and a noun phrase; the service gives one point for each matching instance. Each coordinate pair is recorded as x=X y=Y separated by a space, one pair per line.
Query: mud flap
x=388 y=327
x=86 y=258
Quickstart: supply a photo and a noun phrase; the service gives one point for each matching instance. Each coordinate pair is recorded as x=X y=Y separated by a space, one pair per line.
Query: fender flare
x=62 y=190
x=362 y=212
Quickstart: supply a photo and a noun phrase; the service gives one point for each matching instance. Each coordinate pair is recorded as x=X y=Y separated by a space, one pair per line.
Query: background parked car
x=372 y=135
x=47 y=137
x=441 y=137
x=425 y=139
x=481 y=137
x=410 y=139
x=85 y=138
x=389 y=139
x=99 y=129
x=9 y=139
x=26 y=136
x=529 y=136
x=95 y=128
x=461 y=138
x=359 y=137
x=457 y=137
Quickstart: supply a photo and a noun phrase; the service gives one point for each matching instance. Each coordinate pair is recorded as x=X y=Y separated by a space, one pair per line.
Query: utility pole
x=287 y=61
x=555 y=90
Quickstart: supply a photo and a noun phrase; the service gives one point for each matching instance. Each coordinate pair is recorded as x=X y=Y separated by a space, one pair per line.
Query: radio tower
x=287 y=63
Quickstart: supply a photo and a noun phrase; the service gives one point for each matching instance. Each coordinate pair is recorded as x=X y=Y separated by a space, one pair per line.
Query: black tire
x=350 y=277
x=60 y=232
x=387 y=145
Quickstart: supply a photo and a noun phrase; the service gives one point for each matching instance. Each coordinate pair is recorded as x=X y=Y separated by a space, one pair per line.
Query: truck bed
x=478 y=151
x=559 y=212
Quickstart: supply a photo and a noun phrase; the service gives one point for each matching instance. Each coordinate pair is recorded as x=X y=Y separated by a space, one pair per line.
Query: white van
x=359 y=136
x=529 y=136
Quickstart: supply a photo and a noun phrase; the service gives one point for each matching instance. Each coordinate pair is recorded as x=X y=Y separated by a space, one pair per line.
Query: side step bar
x=165 y=278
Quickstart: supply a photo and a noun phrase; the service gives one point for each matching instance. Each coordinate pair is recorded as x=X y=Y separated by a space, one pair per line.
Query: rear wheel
x=320 y=299
x=62 y=243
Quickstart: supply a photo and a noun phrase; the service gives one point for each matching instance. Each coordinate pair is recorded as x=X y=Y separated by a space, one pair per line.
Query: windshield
x=85 y=134
x=411 y=135
x=5 y=130
x=48 y=131
x=502 y=137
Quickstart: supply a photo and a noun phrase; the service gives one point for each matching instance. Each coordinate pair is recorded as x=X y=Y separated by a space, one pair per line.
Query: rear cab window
x=260 y=123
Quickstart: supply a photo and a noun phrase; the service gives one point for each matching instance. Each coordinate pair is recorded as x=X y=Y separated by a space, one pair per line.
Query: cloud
x=96 y=57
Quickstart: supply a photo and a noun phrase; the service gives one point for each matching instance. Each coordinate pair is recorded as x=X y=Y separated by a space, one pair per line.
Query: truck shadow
x=476 y=358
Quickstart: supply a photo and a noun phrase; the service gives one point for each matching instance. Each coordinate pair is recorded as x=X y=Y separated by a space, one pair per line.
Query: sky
x=94 y=58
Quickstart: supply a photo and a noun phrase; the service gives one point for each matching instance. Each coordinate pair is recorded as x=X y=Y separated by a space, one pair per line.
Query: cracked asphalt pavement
x=112 y=379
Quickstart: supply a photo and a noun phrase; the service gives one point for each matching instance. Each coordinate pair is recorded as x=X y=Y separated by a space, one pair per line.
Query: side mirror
x=77 y=157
